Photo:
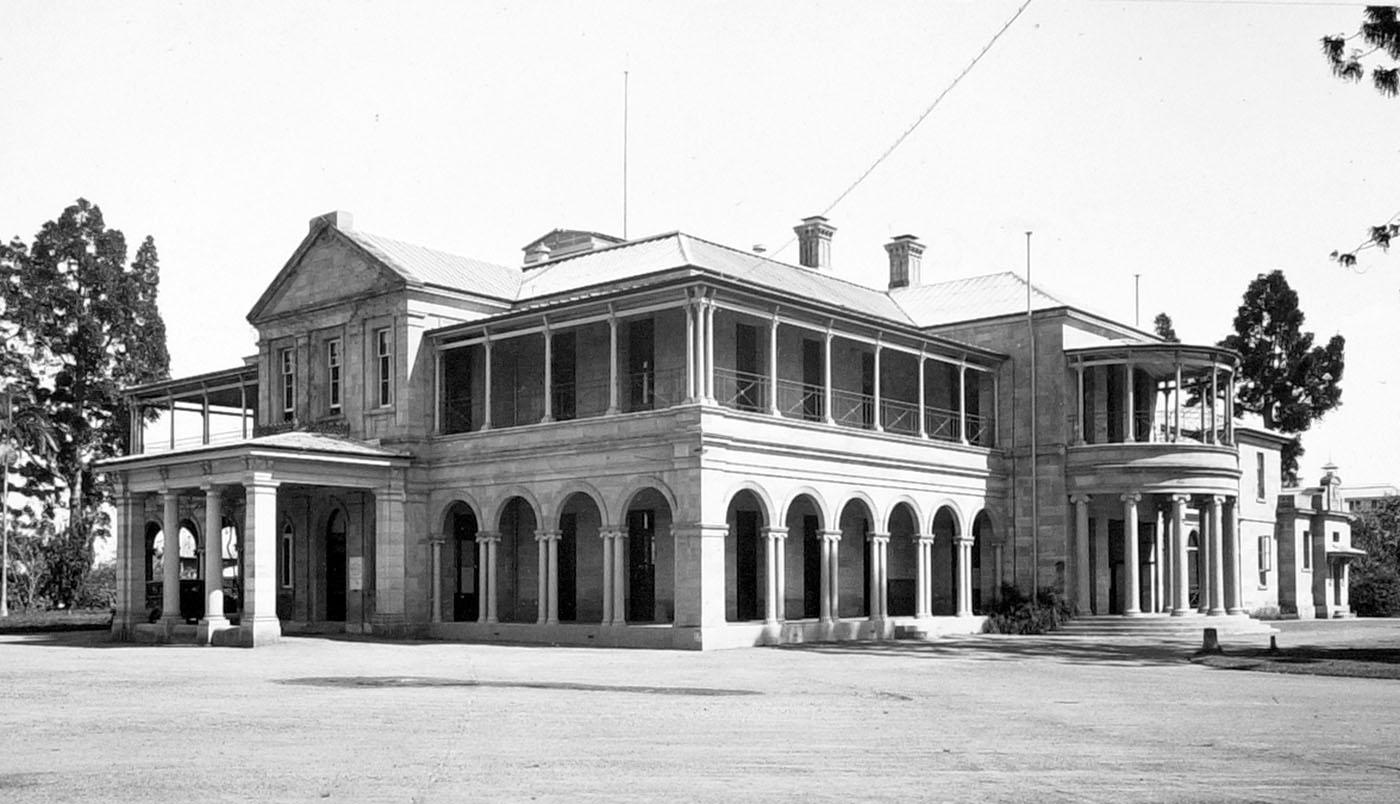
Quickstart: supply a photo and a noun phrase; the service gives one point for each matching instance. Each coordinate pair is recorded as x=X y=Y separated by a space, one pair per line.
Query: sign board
x=355 y=573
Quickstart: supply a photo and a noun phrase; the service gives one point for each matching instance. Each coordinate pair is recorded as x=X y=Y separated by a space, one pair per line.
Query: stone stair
x=1164 y=626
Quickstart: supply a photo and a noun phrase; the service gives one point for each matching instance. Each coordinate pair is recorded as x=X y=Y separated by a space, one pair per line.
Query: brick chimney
x=340 y=219
x=906 y=259
x=814 y=242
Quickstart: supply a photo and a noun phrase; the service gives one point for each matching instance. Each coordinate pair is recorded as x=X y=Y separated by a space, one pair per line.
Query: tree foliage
x=91 y=327
x=1375 y=578
x=1162 y=326
x=1284 y=377
x=1374 y=46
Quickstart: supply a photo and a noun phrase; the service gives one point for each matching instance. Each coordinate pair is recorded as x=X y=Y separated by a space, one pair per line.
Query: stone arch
x=902 y=573
x=576 y=487
x=856 y=519
x=517 y=560
x=504 y=498
x=745 y=579
x=805 y=515
x=191 y=568
x=874 y=511
x=461 y=561
x=334 y=534
x=760 y=494
x=954 y=509
x=946 y=526
x=823 y=510
x=915 y=511
x=641 y=484
x=649 y=587
x=986 y=575
x=458 y=500
x=579 y=558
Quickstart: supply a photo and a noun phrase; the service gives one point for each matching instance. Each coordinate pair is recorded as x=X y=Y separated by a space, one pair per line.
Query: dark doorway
x=1093 y=566
x=464 y=597
x=457 y=390
x=641 y=554
x=867 y=390
x=813 y=380
x=976 y=569
x=1116 y=580
x=641 y=371
x=335 y=567
x=748 y=394
x=811 y=568
x=746 y=565
x=1114 y=404
x=568 y=568
x=563 y=375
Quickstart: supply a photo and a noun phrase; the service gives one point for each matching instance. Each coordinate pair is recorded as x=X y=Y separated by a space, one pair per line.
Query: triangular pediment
x=326 y=269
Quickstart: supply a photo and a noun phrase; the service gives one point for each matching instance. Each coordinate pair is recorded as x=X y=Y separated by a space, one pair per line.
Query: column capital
x=1180 y=499
x=1080 y=499
x=964 y=539
x=775 y=533
x=1215 y=499
x=1132 y=497
x=438 y=540
x=877 y=537
x=546 y=535
x=210 y=488
x=923 y=538
x=831 y=535
x=484 y=536
x=610 y=534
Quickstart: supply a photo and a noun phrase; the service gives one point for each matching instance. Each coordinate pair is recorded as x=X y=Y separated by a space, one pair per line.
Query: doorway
x=641 y=566
x=335 y=567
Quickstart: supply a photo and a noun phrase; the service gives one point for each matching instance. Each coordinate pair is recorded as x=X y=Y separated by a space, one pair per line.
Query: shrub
x=1375 y=590
x=1013 y=613
x=1267 y=613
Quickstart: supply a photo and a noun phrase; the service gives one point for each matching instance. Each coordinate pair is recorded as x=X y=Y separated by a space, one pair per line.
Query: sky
x=1193 y=144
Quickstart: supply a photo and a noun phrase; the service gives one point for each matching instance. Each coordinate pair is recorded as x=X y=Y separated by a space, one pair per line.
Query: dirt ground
x=1000 y=718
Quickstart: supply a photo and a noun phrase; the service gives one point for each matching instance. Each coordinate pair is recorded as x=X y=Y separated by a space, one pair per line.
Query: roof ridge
x=433 y=249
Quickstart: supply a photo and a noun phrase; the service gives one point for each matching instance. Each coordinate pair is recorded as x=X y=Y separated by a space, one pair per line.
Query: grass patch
x=39 y=622
x=1349 y=662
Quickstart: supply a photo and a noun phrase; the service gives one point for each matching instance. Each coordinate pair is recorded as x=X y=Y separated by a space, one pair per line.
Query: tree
x=25 y=432
x=1283 y=377
x=1375 y=577
x=1379 y=33
x=1162 y=325
x=74 y=292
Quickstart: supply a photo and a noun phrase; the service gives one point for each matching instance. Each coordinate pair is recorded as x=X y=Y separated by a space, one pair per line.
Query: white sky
x=1194 y=143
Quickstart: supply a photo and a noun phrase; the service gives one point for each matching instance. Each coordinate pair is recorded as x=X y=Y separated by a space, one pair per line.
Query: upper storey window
x=384 y=368
x=287 y=368
x=333 y=363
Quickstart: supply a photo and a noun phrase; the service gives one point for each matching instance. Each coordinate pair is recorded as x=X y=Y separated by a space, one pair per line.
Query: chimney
x=340 y=219
x=906 y=258
x=814 y=242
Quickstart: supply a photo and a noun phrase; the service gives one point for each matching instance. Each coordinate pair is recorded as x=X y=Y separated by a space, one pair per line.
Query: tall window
x=284 y=557
x=1307 y=549
x=1266 y=560
x=1259 y=475
x=384 y=368
x=333 y=374
x=289 y=384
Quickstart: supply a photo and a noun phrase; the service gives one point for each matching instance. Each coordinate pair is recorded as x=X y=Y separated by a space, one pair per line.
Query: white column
x=619 y=586
x=1130 y=431
x=770 y=587
x=923 y=399
x=1217 y=558
x=879 y=415
x=831 y=599
x=1082 y=581
x=922 y=548
x=548 y=375
x=879 y=575
x=773 y=365
x=1230 y=407
x=1166 y=556
x=259 y=623
x=486 y=385
x=1176 y=404
x=691 y=368
x=1158 y=559
x=437 y=579
x=1234 y=600
x=492 y=543
x=1079 y=422
x=483 y=578
x=612 y=364
x=213 y=562
x=607 y=537
x=709 y=367
x=826 y=377
x=542 y=574
x=1214 y=400
x=553 y=583
x=170 y=563
x=1133 y=594
x=1181 y=595
x=962 y=402
x=964 y=576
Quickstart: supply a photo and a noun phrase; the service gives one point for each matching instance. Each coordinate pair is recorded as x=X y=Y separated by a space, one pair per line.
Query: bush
x=1014 y=614
x=1375 y=590
x=1267 y=613
x=99 y=589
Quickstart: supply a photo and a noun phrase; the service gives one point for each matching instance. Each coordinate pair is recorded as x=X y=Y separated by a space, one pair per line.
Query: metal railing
x=851 y=409
x=899 y=417
x=797 y=400
x=942 y=424
x=652 y=389
x=580 y=400
x=741 y=390
x=519 y=407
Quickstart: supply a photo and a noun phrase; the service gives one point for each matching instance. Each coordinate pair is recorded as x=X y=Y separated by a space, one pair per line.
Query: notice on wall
x=355 y=573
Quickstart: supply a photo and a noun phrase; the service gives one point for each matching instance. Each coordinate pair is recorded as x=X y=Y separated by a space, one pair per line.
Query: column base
x=1133 y=613
x=208 y=629
x=1216 y=612
x=1182 y=612
x=251 y=633
x=1233 y=610
x=388 y=624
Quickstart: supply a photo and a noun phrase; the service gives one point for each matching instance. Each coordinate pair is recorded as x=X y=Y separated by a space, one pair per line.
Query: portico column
x=879 y=414
x=962 y=402
x=259 y=624
x=830 y=608
x=612 y=363
x=1132 y=605
x=542 y=575
x=923 y=546
x=882 y=564
x=691 y=368
x=213 y=563
x=437 y=578
x=877 y=543
x=1158 y=558
x=923 y=399
x=1128 y=429
x=619 y=586
x=826 y=378
x=773 y=365
x=548 y=375
x=1168 y=555
x=170 y=561
x=131 y=562
x=492 y=542
x=770 y=576
x=1082 y=581
x=1079 y=422
x=1181 y=594
x=483 y=577
x=1234 y=597
x=486 y=382
x=1217 y=558
x=964 y=576
x=607 y=537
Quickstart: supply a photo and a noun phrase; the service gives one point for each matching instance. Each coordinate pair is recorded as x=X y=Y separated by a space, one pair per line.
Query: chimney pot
x=339 y=219
x=814 y=242
x=906 y=258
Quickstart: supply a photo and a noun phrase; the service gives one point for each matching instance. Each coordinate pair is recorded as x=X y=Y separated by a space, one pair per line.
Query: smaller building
x=1367 y=497
x=1313 y=531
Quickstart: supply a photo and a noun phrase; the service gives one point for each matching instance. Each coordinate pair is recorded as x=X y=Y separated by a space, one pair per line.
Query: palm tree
x=24 y=430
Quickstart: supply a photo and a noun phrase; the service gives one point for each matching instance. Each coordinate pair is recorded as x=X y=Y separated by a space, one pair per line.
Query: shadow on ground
x=1071 y=650
x=1349 y=662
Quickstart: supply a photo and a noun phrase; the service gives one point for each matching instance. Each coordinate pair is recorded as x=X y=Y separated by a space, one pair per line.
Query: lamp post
x=7 y=452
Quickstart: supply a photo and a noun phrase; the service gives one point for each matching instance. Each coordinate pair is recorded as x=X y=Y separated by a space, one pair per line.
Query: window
x=333 y=374
x=1266 y=560
x=1307 y=550
x=284 y=557
x=1259 y=476
x=289 y=384
x=384 y=368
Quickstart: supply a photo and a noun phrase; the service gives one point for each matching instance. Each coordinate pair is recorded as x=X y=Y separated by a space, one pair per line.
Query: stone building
x=669 y=442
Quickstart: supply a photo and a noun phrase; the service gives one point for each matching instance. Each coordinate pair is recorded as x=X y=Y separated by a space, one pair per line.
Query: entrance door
x=1116 y=583
x=464 y=598
x=563 y=379
x=867 y=390
x=746 y=565
x=641 y=566
x=811 y=568
x=335 y=567
x=568 y=564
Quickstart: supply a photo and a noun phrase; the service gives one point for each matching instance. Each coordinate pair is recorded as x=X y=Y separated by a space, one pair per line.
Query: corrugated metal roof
x=440 y=268
x=970 y=299
x=319 y=442
x=602 y=266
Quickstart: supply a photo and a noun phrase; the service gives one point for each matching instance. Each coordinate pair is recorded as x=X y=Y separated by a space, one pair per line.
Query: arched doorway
x=155 y=567
x=903 y=571
x=984 y=569
x=853 y=565
x=651 y=559
x=335 y=567
x=802 y=559
x=943 y=573
x=580 y=561
x=191 y=572
x=517 y=564
x=744 y=575
x=461 y=528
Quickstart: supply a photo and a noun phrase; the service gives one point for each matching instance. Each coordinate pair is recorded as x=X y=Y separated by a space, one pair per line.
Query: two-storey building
x=669 y=442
